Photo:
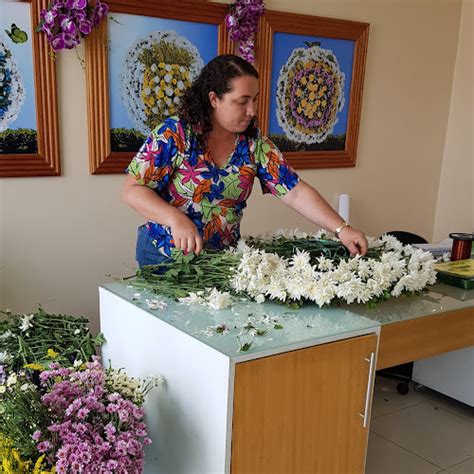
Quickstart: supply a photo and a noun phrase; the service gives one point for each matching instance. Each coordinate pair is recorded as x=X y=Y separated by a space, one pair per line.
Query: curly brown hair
x=216 y=76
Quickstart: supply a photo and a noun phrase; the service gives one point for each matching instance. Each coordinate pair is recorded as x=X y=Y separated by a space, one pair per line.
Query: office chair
x=402 y=372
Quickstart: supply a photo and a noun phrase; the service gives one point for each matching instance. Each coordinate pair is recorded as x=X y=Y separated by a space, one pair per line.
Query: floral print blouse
x=171 y=163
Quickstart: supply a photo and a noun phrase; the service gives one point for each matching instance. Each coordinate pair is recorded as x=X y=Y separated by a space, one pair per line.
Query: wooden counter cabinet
x=303 y=411
x=297 y=401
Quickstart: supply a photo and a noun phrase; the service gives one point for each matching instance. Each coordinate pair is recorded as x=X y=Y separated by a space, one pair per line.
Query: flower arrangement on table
x=66 y=22
x=242 y=23
x=61 y=410
x=294 y=268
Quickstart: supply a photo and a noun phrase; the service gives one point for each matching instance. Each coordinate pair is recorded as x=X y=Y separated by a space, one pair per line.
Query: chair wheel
x=403 y=388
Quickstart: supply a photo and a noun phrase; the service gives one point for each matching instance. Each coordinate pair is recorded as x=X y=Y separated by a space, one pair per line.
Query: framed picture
x=138 y=64
x=311 y=75
x=29 y=139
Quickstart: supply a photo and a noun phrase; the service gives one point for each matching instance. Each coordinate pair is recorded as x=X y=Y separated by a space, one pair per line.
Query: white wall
x=60 y=237
x=455 y=209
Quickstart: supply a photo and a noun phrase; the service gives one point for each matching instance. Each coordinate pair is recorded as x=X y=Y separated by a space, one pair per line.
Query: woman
x=194 y=173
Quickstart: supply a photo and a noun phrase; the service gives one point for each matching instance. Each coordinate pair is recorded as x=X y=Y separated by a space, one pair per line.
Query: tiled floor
x=422 y=432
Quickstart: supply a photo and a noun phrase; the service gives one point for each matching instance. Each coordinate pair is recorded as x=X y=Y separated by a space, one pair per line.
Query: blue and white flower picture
x=18 y=128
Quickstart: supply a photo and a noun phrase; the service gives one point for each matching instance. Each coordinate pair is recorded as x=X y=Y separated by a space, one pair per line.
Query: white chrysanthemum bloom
x=323 y=290
x=12 y=379
x=192 y=298
x=147 y=91
x=300 y=260
x=325 y=264
x=351 y=290
x=26 y=322
x=391 y=242
x=153 y=67
x=276 y=290
x=168 y=77
x=218 y=299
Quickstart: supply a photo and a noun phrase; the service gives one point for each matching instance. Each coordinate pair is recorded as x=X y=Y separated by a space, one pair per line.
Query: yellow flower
x=299 y=92
x=52 y=354
x=162 y=65
x=174 y=81
x=312 y=96
x=304 y=80
x=33 y=366
x=161 y=94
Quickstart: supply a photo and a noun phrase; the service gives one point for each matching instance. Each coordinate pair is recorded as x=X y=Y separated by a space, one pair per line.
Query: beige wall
x=455 y=209
x=60 y=237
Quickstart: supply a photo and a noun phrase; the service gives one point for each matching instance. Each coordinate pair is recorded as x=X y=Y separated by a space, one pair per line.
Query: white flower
x=4 y=357
x=6 y=335
x=156 y=304
x=12 y=379
x=25 y=387
x=218 y=299
x=26 y=322
x=192 y=298
x=260 y=298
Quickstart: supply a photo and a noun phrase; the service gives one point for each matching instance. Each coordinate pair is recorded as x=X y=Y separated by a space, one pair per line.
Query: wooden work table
x=297 y=399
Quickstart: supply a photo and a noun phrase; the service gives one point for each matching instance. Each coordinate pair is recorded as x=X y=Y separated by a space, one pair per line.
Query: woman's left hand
x=354 y=240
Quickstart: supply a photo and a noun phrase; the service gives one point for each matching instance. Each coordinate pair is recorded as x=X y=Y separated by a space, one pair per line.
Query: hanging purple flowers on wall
x=66 y=22
x=242 y=23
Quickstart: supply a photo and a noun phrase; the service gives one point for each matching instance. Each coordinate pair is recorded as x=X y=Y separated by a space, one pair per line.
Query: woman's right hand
x=185 y=234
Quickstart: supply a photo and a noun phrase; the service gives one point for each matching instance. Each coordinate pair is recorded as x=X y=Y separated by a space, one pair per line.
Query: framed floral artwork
x=138 y=65
x=29 y=138
x=312 y=72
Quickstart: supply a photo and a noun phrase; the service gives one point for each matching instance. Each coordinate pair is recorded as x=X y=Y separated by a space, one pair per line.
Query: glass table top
x=248 y=328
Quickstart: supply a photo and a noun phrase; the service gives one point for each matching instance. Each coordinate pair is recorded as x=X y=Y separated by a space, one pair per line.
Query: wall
x=61 y=237
x=455 y=209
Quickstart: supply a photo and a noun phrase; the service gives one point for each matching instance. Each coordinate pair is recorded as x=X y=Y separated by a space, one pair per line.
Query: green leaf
x=246 y=347
x=278 y=326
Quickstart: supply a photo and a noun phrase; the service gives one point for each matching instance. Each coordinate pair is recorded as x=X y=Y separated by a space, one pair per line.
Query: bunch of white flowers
x=399 y=268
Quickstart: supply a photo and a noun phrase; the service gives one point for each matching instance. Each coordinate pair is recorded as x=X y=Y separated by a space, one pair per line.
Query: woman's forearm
x=310 y=204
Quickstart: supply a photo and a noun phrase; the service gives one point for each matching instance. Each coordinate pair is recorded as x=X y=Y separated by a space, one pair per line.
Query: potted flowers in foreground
x=62 y=411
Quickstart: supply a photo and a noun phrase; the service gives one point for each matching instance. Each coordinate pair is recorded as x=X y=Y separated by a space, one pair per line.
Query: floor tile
x=385 y=457
x=466 y=467
x=451 y=405
x=434 y=434
x=387 y=399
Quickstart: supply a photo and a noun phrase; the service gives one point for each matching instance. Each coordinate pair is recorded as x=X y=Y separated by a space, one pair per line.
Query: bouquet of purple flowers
x=66 y=22
x=242 y=23
x=95 y=425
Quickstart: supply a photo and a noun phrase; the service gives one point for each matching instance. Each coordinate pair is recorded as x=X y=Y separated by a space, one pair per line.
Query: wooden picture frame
x=102 y=158
x=42 y=156
x=281 y=106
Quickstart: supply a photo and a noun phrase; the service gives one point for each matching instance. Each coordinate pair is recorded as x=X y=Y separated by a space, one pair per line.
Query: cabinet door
x=300 y=412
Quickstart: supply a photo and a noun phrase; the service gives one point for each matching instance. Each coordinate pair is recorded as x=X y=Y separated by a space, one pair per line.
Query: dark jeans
x=146 y=252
